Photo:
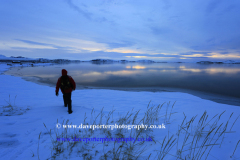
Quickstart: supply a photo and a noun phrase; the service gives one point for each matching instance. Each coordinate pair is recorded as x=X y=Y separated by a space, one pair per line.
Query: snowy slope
x=36 y=104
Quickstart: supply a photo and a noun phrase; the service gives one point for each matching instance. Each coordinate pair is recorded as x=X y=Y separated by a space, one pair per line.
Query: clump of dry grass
x=196 y=138
x=11 y=109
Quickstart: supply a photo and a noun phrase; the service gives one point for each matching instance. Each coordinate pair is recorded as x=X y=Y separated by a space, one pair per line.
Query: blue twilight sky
x=160 y=30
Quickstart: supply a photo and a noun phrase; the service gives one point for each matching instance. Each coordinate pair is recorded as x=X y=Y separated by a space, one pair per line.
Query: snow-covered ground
x=24 y=136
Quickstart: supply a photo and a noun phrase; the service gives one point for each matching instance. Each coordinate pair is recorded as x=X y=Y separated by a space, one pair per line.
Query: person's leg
x=65 y=100
x=69 y=102
x=70 y=106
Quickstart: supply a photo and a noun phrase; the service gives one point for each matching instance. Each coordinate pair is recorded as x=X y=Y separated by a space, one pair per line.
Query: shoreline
x=208 y=96
x=204 y=95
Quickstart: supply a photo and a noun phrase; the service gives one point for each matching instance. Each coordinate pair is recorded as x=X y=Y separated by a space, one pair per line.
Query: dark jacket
x=64 y=73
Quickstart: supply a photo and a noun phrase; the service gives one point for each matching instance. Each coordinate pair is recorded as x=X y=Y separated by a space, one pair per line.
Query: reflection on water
x=214 y=78
x=136 y=67
x=212 y=70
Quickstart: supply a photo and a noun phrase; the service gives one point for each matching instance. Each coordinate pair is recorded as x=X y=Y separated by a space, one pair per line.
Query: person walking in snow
x=67 y=85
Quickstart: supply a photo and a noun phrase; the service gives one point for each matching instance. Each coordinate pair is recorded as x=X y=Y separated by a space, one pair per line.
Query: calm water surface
x=212 y=78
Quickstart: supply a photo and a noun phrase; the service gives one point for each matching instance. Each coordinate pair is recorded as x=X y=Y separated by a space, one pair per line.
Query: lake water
x=221 y=79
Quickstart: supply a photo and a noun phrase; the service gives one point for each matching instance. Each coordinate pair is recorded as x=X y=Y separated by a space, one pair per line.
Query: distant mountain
x=224 y=62
x=19 y=59
x=145 y=61
x=232 y=62
x=121 y=61
x=12 y=58
x=103 y=60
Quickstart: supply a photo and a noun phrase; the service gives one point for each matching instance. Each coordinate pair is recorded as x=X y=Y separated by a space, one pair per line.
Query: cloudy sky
x=160 y=30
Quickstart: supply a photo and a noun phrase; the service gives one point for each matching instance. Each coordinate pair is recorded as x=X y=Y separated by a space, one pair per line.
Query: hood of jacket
x=64 y=72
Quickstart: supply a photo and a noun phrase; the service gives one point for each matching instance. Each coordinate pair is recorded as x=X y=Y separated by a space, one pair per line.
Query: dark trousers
x=67 y=100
